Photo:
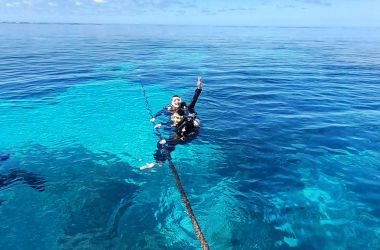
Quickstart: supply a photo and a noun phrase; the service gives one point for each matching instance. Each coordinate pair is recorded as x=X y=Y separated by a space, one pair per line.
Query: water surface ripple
x=287 y=156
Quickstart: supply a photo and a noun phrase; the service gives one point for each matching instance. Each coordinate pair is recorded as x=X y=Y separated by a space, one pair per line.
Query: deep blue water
x=287 y=156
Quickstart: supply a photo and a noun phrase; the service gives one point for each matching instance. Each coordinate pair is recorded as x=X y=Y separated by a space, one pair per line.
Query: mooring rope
x=189 y=210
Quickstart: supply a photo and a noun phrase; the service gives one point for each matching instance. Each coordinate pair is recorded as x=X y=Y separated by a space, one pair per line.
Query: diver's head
x=176 y=101
x=176 y=118
x=180 y=112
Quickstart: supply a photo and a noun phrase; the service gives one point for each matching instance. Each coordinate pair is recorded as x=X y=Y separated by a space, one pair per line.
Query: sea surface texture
x=287 y=157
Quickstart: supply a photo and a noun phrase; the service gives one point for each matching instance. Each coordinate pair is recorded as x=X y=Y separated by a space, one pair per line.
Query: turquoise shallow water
x=287 y=156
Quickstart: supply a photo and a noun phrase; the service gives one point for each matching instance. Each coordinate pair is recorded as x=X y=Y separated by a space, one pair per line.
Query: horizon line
x=201 y=25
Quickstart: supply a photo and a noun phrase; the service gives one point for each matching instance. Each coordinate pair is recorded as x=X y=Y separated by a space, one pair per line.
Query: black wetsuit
x=184 y=131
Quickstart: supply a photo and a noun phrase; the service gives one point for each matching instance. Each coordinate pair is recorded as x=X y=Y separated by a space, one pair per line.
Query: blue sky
x=206 y=12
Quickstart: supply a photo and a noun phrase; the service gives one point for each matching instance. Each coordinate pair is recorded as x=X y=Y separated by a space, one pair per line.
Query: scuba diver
x=183 y=125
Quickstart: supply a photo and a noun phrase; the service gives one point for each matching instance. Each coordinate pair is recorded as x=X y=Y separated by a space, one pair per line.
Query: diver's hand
x=162 y=142
x=199 y=83
x=152 y=119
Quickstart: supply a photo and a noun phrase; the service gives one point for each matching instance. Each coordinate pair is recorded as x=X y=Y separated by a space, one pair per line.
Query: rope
x=189 y=210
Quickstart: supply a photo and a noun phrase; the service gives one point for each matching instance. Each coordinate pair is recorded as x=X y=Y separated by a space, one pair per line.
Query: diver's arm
x=162 y=111
x=198 y=91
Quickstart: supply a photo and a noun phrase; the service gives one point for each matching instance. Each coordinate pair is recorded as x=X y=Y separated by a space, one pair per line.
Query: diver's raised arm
x=199 y=83
x=198 y=91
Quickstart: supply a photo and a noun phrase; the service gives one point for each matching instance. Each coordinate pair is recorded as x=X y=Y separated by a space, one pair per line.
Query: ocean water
x=288 y=154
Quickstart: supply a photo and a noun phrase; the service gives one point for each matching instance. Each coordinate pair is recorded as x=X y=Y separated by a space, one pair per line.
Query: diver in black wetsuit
x=183 y=124
x=17 y=175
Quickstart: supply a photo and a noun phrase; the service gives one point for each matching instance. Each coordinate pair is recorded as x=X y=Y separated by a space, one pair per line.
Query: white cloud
x=78 y=3
x=14 y=4
x=99 y=1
